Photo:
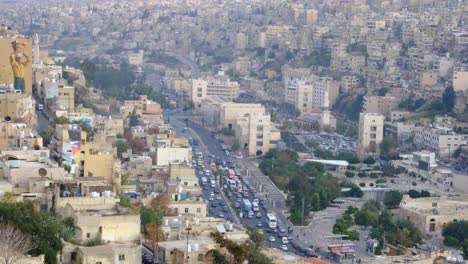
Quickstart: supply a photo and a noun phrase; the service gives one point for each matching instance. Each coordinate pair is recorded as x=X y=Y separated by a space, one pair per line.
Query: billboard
x=21 y=49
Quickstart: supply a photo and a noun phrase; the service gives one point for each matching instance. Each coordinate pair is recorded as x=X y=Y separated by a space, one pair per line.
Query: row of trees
x=308 y=182
x=231 y=252
x=120 y=82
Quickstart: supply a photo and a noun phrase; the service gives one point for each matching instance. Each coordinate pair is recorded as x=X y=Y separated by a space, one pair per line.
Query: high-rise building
x=371 y=127
x=242 y=40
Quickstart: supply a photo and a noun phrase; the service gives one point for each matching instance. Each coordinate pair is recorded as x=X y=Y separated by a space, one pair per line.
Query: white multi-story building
x=254 y=132
x=219 y=84
x=371 y=127
x=442 y=140
x=308 y=93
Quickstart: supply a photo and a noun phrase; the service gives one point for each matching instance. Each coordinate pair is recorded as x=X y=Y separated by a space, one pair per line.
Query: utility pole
x=189 y=227
x=303 y=201
x=157 y=241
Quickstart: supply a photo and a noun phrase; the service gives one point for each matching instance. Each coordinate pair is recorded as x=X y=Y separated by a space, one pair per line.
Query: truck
x=247 y=205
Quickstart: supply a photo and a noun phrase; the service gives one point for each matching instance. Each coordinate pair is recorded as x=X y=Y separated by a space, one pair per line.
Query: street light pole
x=189 y=227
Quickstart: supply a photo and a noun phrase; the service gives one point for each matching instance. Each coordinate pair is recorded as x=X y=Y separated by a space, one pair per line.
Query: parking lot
x=329 y=141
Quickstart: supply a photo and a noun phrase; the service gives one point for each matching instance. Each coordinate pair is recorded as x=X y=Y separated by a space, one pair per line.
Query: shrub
x=349 y=174
x=362 y=174
x=362 y=184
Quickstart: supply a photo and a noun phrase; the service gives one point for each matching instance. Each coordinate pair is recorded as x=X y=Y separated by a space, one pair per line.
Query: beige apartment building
x=460 y=80
x=299 y=92
x=149 y=112
x=198 y=90
x=371 y=127
x=254 y=132
x=66 y=98
x=241 y=41
x=380 y=104
x=230 y=111
x=17 y=106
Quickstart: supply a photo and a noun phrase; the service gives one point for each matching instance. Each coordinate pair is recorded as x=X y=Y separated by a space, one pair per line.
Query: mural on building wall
x=15 y=63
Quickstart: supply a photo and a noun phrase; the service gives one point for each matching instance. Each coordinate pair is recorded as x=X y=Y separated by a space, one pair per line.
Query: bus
x=255 y=207
x=247 y=205
x=271 y=220
x=204 y=181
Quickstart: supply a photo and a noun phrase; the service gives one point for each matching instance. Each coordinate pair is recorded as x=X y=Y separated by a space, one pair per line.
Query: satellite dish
x=7 y=118
x=42 y=172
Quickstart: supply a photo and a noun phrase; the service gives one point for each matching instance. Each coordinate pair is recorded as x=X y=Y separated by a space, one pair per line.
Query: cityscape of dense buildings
x=203 y=131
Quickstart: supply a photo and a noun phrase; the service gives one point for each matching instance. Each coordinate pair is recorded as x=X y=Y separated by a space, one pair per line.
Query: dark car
x=225 y=209
x=214 y=204
x=295 y=245
x=216 y=190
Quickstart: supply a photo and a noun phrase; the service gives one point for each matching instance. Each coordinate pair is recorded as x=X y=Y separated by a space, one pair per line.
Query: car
x=218 y=197
x=214 y=204
x=225 y=209
x=281 y=234
x=229 y=194
x=272 y=239
x=237 y=204
x=295 y=245
x=225 y=186
x=211 y=198
x=284 y=247
x=245 y=194
x=221 y=215
x=281 y=229
x=205 y=187
x=250 y=214
x=255 y=200
x=259 y=215
x=269 y=230
x=284 y=240
x=259 y=224
x=216 y=190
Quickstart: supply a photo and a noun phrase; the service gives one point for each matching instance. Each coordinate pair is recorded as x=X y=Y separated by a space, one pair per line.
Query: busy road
x=232 y=193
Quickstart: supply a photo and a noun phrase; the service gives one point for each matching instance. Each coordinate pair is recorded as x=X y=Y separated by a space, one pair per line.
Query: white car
x=272 y=239
x=218 y=197
x=284 y=247
x=284 y=240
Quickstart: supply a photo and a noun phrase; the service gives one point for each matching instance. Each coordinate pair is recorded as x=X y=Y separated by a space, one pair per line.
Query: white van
x=213 y=184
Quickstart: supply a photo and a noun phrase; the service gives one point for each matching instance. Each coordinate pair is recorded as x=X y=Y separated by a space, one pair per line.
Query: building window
x=121 y=257
x=373 y=128
x=186 y=210
x=198 y=210
x=88 y=235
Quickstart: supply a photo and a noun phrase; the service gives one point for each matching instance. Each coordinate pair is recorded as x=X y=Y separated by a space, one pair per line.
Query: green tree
x=43 y=227
x=369 y=161
x=315 y=202
x=349 y=174
x=456 y=235
x=448 y=99
x=392 y=199
x=125 y=201
x=388 y=148
x=133 y=119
